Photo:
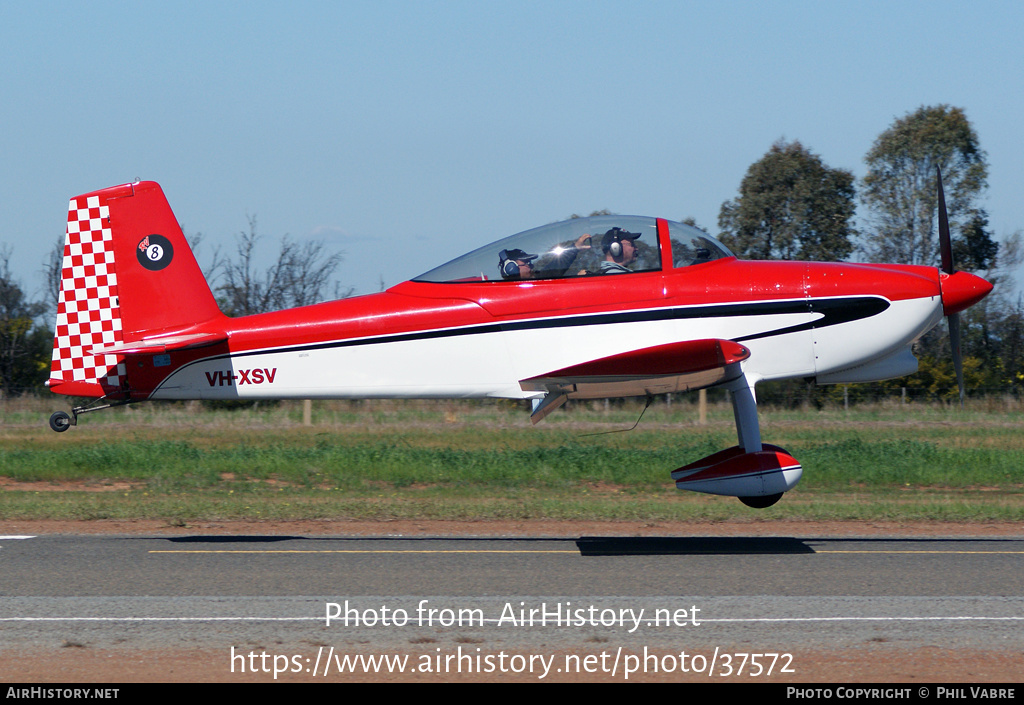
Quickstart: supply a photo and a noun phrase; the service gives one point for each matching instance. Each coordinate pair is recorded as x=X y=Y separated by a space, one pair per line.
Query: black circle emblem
x=154 y=252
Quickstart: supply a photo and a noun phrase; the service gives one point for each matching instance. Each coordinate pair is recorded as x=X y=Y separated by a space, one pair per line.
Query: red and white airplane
x=608 y=306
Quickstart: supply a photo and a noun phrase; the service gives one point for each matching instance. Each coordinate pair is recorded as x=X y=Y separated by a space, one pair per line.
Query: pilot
x=516 y=264
x=557 y=262
x=619 y=251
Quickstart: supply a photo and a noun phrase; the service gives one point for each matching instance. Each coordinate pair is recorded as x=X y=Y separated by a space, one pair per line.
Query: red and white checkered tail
x=128 y=275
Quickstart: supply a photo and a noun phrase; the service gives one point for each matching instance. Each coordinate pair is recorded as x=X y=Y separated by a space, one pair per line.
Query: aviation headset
x=616 y=236
x=508 y=265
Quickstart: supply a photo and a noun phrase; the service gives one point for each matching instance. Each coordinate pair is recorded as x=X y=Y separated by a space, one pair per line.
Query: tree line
x=790 y=205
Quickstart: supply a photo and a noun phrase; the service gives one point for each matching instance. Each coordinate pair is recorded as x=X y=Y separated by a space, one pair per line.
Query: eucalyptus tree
x=900 y=190
x=791 y=205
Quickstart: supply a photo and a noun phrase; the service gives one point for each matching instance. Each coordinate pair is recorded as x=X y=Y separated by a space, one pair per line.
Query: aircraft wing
x=662 y=369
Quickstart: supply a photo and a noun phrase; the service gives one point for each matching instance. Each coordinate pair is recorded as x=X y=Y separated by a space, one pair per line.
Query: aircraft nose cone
x=961 y=290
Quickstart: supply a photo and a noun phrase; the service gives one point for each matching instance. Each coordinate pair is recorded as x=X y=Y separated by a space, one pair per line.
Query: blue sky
x=406 y=133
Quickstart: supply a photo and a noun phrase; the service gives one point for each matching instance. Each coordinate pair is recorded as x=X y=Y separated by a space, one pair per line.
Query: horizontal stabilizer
x=161 y=344
x=661 y=369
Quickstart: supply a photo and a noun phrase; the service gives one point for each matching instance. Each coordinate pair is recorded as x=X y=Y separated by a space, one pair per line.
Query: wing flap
x=661 y=369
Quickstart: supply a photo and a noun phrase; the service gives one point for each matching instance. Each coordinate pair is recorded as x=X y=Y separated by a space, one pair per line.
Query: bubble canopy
x=594 y=246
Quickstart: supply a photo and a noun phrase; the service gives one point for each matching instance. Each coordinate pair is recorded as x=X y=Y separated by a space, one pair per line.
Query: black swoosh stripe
x=834 y=312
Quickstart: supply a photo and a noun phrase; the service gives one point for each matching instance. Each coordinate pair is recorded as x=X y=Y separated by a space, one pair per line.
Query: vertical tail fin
x=128 y=274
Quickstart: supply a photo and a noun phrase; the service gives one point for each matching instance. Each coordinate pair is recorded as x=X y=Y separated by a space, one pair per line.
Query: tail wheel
x=761 y=502
x=60 y=421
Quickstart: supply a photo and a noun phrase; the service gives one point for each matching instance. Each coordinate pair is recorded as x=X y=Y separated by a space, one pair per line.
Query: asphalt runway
x=702 y=595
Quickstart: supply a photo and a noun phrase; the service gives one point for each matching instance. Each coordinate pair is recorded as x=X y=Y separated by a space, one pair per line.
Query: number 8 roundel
x=154 y=252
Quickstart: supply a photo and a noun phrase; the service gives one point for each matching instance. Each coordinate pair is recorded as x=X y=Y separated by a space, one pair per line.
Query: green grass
x=480 y=461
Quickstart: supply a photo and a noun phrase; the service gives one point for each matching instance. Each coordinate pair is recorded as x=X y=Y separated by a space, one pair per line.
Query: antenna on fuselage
x=650 y=398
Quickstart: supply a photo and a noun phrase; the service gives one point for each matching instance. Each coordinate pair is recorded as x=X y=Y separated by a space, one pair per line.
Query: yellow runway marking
x=938 y=552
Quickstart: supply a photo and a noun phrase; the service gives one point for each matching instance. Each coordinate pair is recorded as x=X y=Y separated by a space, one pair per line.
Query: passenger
x=619 y=251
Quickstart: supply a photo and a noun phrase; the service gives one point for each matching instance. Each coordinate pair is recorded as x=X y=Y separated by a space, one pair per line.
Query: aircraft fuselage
x=831 y=321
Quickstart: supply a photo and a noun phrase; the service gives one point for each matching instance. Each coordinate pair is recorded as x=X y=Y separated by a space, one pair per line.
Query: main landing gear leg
x=748 y=431
x=744 y=410
x=755 y=473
